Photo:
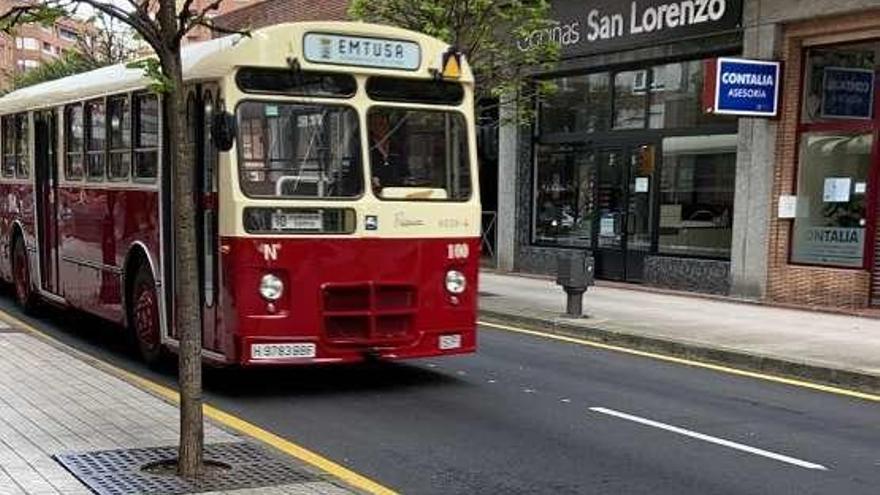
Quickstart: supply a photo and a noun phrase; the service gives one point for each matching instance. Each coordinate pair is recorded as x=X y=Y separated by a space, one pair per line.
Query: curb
x=850 y=379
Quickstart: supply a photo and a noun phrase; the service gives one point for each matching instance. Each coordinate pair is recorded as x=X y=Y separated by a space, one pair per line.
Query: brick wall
x=272 y=12
x=803 y=284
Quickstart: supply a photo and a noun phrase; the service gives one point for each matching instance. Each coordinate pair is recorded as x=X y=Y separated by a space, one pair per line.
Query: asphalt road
x=531 y=415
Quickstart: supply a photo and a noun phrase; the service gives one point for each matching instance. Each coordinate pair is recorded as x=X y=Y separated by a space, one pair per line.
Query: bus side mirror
x=223 y=131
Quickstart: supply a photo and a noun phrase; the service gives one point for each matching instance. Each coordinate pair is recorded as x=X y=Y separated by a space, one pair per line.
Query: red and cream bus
x=337 y=197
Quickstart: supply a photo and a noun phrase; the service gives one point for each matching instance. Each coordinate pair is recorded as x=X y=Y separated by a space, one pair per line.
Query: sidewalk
x=838 y=349
x=52 y=402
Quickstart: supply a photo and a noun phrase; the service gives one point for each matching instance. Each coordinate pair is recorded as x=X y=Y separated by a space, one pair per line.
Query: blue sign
x=747 y=87
x=847 y=93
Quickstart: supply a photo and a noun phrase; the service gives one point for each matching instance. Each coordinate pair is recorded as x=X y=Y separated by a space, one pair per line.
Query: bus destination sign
x=362 y=51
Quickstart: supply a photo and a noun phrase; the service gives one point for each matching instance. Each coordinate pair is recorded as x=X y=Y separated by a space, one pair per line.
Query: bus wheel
x=24 y=295
x=144 y=317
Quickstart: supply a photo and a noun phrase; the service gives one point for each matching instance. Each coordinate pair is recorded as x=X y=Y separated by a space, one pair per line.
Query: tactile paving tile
x=118 y=472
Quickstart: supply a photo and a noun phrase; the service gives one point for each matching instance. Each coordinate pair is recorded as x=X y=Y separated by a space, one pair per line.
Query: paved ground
x=53 y=403
x=532 y=415
x=826 y=340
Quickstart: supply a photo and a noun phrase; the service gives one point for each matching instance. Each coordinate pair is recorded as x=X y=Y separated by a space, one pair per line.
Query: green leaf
x=160 y=83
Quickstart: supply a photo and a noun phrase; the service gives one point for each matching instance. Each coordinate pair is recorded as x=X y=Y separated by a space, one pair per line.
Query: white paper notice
x=787 y=206
x=837 y=189
x=606 y=226
x=860 y=188
x=641 y=184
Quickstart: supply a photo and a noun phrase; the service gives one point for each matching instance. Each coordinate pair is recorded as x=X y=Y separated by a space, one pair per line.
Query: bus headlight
x=456 y=282
x=271 y=287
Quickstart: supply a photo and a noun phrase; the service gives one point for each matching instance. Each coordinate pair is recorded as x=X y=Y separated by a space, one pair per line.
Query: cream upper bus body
x=282 y=46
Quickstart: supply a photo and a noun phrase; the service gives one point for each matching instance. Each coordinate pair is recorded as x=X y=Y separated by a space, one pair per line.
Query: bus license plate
x=449 y=342
x=283 y=351
x=297 y=221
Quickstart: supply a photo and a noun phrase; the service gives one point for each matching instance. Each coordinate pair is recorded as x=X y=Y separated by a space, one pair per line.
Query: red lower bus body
x=352 y=298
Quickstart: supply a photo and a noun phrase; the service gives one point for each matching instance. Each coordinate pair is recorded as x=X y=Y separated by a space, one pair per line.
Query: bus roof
x=214 y=59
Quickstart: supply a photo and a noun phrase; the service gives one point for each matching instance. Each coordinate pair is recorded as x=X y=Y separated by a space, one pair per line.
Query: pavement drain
x=118 y=472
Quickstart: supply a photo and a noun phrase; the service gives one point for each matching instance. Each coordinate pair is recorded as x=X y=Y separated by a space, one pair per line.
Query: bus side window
x=22 y=150
x=96 y=140
x=8 y=128
x=119 y=118
x=73 y=137
x=146 y=163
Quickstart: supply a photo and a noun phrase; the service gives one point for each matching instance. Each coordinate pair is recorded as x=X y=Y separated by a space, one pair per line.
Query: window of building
x=564 y=196
x=67 y=34
x=630 y=98
x=839 y=83
x=831 y=220
x=96 y=140
x=836 y=140
x=119 y=119
x=696 y=195
x=146 y=164
x=577 y=104
x=75 y=139
x=29 y=44
x=681 y=204
x=676 y=99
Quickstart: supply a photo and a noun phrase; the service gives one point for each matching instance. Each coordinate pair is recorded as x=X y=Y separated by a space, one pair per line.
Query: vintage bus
x=338 y=210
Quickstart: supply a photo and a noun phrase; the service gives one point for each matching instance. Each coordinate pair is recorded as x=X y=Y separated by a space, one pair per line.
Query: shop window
x=676 y=97
x=630 y=93
x=830 y=223
x=146 y=165
x=564 y=196
x=577 y=104
x=696 y=195
x=74 y=137
x=839 y=83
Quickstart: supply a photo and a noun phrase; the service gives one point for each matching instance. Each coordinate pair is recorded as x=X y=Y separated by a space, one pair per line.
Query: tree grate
x=118 y=472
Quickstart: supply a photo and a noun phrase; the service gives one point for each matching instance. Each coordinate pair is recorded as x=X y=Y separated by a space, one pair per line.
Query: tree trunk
x=187 y=311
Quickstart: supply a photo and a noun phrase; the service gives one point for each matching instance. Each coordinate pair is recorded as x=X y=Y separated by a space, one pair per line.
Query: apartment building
x=32 y=45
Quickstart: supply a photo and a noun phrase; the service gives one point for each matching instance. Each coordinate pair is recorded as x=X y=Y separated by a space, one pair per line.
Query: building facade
x=825 y=152
x=226 y=6
x=268 y=12
x=33 y=45
x=623 y=162
x=626 y=163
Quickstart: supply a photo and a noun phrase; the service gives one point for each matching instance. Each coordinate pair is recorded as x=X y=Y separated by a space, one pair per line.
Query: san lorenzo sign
x=594 y=26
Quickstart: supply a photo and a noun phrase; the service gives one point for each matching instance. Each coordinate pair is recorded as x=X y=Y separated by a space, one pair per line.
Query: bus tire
x=21 y=276
x=143 y=317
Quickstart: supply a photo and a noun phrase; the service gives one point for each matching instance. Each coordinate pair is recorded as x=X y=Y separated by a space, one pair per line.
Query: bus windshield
x=418 y=154
x=297 y=150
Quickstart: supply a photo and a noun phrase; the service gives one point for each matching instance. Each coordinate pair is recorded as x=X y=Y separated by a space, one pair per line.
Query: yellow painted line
x=226 y=419
x=687 y=362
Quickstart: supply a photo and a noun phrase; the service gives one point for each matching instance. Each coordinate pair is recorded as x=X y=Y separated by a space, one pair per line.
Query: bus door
x=206 y=215
x=46 y=177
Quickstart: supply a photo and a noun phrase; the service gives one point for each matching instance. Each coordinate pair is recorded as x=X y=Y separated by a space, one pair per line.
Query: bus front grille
x=369 y=313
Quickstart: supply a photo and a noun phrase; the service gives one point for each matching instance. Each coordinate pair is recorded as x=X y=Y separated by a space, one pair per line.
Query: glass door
x=625 y=210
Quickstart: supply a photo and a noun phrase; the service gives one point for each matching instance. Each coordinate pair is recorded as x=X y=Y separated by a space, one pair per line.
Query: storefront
x=623 y=161
x=823 y=242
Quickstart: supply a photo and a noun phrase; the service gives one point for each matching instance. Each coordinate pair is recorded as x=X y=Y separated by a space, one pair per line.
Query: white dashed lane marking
x=710 y=439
